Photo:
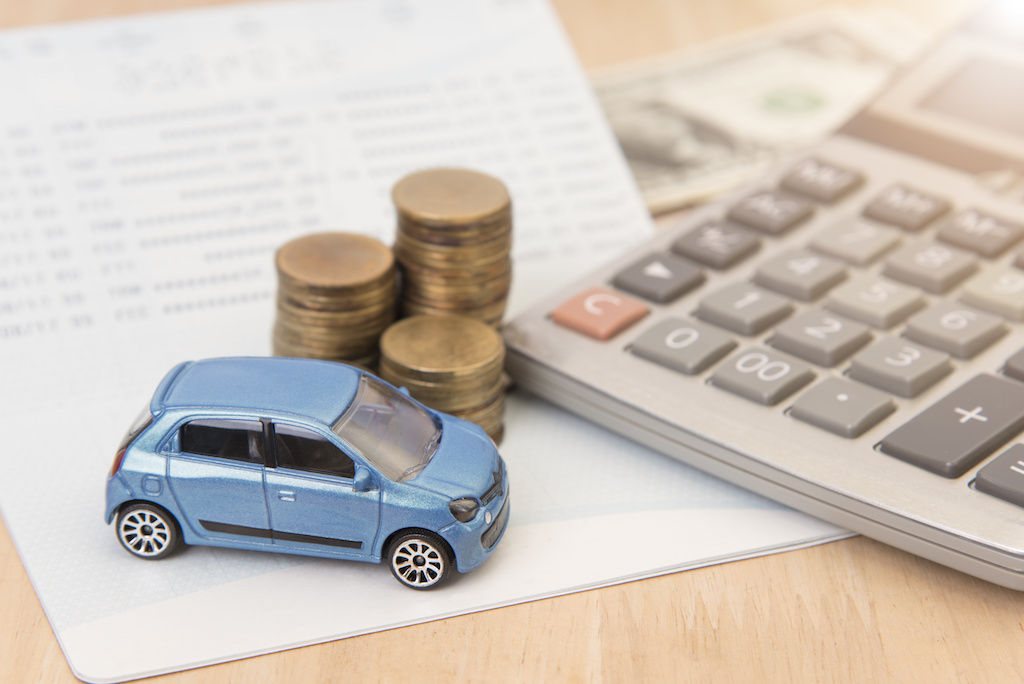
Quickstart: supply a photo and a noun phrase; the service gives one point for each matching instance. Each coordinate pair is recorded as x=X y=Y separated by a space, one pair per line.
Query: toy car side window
x=237 y=440
x=306 y=450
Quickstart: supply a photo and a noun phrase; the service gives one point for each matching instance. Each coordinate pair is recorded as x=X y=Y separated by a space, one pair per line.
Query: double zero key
x=954 y=434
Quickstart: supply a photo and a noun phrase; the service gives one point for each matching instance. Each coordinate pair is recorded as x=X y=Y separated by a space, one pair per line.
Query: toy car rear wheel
x=419 y=560
x=148 y=531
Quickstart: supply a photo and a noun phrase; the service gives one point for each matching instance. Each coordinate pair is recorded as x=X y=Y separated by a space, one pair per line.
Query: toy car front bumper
x=474 y=542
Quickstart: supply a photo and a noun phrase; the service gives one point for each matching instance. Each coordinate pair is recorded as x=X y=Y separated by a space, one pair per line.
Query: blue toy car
x=307 y=457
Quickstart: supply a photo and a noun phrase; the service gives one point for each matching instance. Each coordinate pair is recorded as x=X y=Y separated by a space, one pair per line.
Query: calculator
x=846 y=335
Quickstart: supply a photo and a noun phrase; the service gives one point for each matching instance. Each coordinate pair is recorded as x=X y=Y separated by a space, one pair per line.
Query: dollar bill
x=696 y=123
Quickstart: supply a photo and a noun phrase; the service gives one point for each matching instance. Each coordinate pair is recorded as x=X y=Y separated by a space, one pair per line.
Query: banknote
x=695 y=123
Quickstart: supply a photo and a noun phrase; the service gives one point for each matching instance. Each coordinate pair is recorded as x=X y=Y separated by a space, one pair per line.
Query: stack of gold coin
x=450 y=363
x=453 y=243
x=336 y=295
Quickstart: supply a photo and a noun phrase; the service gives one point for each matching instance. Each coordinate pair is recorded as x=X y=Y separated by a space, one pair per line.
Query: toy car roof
x=320 y=390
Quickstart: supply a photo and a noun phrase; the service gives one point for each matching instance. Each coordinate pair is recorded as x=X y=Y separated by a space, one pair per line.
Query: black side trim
x=226 y=528
x=310 y=539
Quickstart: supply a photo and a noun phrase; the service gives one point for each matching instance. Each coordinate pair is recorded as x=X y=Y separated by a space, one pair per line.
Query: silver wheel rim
x=418 y=563
x=145 y=533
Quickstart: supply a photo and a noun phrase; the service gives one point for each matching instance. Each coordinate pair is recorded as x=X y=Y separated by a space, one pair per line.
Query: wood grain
x=848 y=611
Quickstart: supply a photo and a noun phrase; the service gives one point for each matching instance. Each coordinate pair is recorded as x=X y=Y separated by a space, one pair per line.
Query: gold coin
x=440 y=397
x=437 y=347
x=489 y=314
x=450 y=256
x=490 y=416
x=466 y=234
x=334 y=260
x=449 y=196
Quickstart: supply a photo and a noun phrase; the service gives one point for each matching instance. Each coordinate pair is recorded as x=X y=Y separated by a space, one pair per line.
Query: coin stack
x=451 y=364
x=336 y=295
x=453 y=243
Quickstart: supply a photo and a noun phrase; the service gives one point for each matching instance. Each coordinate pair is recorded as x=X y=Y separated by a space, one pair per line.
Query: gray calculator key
x=900 y=367
x=955 y=328
x=821 y=180
x=1015 y=366
x=743 y=308
x=762 y=375
x=820 y=337
x=685 y=346
x=843 y=407
x=906 y=207
x=930 y=266
x=952 y=435
x=1004 y=476
x=800 y=274
x=717 y=244
x=875 y=301
x=659 y=277
x=981 y=232
x=855 y=241
x=770 y=212
x=999 y=290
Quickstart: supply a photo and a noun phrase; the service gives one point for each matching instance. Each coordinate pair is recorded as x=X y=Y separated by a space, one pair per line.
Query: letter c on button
x=592 y=304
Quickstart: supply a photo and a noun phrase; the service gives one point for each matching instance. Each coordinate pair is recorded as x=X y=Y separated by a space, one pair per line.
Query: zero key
x=599 y=313
x=955 y=433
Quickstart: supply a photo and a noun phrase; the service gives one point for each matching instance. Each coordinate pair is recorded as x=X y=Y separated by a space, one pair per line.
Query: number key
x=685 y=346
x=955 y=328
x=800 y=274
x=855 y=241
x=743 y=308
x=999 y=290
x=820 y=337
x=762 y=375
x=900 y=367
x=932 y=267
x=875 y=301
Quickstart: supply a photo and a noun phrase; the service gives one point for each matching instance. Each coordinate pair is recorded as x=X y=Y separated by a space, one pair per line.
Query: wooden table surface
x=853 y=610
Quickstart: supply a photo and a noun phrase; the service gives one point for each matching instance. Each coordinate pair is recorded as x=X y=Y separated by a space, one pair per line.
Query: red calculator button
x=599 y=313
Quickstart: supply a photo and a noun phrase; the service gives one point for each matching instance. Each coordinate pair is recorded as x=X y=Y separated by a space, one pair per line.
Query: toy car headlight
x=464 y=509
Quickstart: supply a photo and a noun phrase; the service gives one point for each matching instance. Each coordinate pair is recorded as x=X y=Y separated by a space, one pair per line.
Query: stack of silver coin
x=336 y=295
x=453 y=243
x=450 y=363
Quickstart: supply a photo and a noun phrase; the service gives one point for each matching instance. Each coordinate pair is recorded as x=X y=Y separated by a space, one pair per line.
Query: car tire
x=419 y=560
x=148 y=531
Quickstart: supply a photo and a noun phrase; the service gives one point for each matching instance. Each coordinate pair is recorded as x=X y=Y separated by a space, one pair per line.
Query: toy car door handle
x=285 y=495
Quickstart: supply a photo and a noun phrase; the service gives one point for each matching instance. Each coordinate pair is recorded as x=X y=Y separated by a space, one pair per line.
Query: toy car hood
x=465 y=464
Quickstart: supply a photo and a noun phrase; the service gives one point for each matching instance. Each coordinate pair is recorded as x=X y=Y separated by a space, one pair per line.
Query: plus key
x=954 y=434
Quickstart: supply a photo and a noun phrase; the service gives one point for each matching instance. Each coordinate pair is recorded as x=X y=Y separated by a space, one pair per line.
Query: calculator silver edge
x=843 y=481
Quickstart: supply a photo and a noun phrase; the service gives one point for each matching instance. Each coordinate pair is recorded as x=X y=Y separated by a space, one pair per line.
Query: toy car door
x=216 y=474
x=312 y=499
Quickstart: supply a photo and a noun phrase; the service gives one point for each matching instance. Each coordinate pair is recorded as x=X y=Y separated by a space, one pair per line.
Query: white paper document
x=150 y=166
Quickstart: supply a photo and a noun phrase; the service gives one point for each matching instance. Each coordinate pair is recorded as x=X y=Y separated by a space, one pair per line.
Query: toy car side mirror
x=363 y=481
x=404 y=390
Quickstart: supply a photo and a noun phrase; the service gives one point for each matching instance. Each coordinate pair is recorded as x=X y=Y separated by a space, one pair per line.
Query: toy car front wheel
x=147 y=531
x=419 y=560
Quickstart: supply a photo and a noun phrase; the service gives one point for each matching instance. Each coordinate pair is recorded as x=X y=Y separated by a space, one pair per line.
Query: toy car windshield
x=393 y=432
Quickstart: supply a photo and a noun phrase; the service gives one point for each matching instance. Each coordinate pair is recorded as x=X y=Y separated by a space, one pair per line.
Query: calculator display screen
x=983 y=91
x=962 y=103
